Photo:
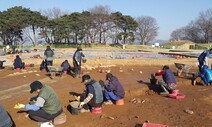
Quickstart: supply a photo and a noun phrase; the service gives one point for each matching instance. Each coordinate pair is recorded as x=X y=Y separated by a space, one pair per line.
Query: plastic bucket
x=120 y=102
x=65 y=72
x=97 y=110
x=74 y=108
x=18 y=69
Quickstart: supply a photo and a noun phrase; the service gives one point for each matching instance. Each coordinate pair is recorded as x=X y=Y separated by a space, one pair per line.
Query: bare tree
x=204 y=22
x=178 y=34
x=147 y=29
x=101 y=23
x=53 y=13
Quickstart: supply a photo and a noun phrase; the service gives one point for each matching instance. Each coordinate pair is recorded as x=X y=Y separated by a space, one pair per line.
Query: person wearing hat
x=49 y=53
x=113 y=90
x=92 y=96
x=77 y=58
x=168 y=84
x=203 y=58
x=46 y=106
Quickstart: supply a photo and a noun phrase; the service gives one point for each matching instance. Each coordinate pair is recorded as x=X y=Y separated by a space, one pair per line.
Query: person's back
x=5 y=120
x=66 y=66
x=17 y=62
x=169 y=77
x=49 y=55
x=52 y=104
x=116 y=87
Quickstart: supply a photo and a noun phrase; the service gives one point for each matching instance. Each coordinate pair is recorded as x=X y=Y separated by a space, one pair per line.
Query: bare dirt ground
x=134 y=74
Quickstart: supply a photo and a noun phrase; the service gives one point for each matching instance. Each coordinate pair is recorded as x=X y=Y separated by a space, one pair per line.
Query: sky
x=169 y=14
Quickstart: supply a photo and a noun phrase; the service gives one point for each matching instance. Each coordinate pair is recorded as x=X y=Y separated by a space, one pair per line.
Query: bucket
x=120 y=102
x=60 y=119
x=74 y=107
x=65 y=72
x=18 y=69
x=97 y=110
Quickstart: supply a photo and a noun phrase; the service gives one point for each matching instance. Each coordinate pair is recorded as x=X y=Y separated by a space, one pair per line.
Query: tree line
x=98 y=25
x=198 y=30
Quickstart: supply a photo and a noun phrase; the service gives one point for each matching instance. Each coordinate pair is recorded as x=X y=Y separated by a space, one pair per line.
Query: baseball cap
x=109 y=75
x=85 y=77
x=35 y=85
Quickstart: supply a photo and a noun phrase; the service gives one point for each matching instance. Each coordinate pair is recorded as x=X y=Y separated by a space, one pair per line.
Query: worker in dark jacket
x=66 y=66
x=49 y=53
x=113 y=90
x=18 y=63
x=93 y=96
x=77 y=58
x=169 y=81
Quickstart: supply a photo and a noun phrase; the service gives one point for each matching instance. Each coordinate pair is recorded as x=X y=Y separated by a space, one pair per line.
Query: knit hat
x=35 y=86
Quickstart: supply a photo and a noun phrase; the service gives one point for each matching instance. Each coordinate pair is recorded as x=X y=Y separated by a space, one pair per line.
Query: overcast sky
x=169 y=14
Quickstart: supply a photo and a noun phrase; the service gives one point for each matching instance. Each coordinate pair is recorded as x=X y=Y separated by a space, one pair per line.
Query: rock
x=189 y=111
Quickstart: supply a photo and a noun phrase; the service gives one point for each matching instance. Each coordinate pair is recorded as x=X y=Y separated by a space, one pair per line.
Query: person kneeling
x=46 y=106
x=114 y=91
x=92 y=96
x=169 y=81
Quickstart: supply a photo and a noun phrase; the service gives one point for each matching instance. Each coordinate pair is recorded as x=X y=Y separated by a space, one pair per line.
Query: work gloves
x=81 y=104
x=19 y=106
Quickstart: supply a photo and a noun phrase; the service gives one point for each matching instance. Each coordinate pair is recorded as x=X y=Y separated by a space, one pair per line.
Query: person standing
x=114 y=91
x=203 y=58
x=49 y=53
x=168 y=83
x=46 y=106
x=93 y=96
x=77 y=59
x=5 y=119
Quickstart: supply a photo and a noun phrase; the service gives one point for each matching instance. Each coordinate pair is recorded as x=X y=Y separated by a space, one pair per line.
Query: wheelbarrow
x=182 y=68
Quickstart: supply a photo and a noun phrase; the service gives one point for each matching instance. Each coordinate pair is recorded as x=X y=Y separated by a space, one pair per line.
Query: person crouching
x=93 y=96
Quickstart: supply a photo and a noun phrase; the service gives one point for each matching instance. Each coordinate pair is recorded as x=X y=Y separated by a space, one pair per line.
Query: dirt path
x=155 y=108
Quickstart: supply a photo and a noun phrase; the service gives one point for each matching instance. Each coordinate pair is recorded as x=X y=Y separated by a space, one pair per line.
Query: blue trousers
x=109 y=95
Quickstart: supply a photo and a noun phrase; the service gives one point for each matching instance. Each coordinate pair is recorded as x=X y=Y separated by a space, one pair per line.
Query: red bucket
x=18 y=69
x=97 y=110
x=65 y=72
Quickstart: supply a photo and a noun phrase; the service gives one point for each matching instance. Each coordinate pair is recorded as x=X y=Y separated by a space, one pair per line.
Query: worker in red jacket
x=168 y=83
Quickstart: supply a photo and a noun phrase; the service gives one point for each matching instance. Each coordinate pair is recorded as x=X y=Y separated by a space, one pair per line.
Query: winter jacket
x=168 y=76
x=96 y=90
x=116 y=87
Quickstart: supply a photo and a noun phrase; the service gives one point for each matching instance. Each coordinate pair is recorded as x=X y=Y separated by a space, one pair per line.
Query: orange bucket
x=65 y=72
x=120 y=102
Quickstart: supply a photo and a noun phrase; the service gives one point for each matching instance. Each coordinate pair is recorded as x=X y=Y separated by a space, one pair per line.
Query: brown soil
x=154 y=108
